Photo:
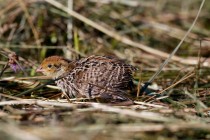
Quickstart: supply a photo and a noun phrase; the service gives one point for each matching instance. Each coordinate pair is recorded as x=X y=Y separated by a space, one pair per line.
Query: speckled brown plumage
x=92 y=77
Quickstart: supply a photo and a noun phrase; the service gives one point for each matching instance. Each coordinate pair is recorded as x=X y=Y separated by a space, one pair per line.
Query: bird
x=101 y=77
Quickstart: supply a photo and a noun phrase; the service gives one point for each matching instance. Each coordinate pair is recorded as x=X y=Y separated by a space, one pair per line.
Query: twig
x=37 y=102
x=11 y=97
x=46 y=47
x=30 y=83
x=148 y=104
x=132 y=3
x=181 y=80
x=3 y=69
x=68 y=54
x=161 y=127
x=143 y=115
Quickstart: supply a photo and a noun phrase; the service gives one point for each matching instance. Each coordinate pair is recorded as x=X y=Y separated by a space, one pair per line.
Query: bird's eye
x=49 y=66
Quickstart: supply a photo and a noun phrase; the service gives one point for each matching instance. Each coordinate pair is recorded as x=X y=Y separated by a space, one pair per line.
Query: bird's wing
x=97 y=75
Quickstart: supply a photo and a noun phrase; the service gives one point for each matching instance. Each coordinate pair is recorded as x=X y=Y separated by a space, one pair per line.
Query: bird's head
x=55 y=66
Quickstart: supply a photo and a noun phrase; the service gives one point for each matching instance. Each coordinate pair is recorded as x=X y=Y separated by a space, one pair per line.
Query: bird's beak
x=39 y=69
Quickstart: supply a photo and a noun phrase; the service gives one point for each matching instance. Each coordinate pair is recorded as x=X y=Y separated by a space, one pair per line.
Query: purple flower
x=15 y=67
x=13 y=62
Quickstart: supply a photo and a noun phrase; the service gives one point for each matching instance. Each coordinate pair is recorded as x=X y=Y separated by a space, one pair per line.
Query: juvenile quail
x=92 y=77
